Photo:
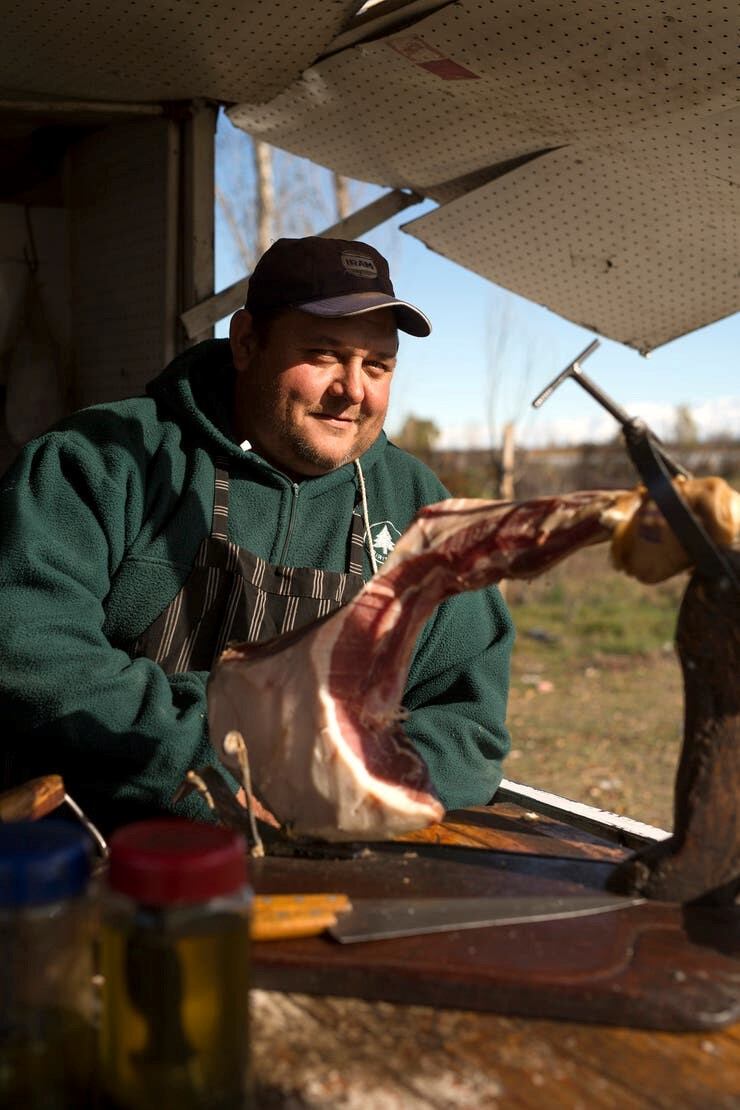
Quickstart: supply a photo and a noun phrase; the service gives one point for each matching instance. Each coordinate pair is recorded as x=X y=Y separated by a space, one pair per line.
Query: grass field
x=596 y=706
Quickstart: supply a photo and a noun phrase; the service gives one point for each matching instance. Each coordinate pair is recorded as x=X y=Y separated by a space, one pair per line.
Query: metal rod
x=633 y=427
x=619 y=414
x=85 y=820
x=571 y=369
x=234 y=745
x=611 y=826
x=204 y=315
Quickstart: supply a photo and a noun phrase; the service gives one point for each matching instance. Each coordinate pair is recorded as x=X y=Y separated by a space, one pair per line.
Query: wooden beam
x=198 y=132
x=84 y=107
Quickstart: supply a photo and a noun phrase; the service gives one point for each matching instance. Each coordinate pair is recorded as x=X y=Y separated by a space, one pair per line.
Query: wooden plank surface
x=508 y=827
x=346 y=1054
x=652 y=965
x=352 y=1054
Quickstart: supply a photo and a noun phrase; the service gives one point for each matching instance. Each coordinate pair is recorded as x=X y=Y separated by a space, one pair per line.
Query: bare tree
x=498 y=332
x=506 y=483
x=236 y=226
x=341 y=195
x=685 y=428
x=511 y=359
x=263 y=193
x=265 y=206
x=303 y=202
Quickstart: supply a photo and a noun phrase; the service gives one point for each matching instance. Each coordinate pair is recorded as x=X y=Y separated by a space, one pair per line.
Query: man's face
x=313 y=395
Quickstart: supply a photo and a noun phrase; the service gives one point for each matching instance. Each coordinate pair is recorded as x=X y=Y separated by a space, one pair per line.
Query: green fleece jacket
x=100 y=521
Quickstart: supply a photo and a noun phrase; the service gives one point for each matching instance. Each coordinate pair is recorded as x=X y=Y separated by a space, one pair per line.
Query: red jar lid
x=167 y=861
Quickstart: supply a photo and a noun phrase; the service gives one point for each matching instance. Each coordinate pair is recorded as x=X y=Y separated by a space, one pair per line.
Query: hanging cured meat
x=644 y=545
x=320 y=710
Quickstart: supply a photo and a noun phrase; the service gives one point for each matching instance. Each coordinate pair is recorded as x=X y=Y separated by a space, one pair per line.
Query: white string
x=365 y=516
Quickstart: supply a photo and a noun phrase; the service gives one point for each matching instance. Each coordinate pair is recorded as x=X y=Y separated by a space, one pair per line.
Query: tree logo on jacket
x=384 y=535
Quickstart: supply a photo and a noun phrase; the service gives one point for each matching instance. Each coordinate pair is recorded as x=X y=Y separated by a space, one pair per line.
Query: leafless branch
x=230 y=215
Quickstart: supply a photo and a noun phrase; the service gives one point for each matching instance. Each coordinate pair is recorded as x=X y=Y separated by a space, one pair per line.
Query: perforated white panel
x=641 y=249
x=481 y=82
x=163 y=49
x=631 y=227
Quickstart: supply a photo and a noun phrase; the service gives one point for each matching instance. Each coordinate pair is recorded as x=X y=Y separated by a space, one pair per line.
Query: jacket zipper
x=291 y=521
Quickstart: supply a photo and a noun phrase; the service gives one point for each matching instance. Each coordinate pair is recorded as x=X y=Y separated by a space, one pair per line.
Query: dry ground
x=596 y=704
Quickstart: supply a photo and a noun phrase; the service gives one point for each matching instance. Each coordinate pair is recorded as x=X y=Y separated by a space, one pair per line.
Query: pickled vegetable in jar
x=175 y=961
x=47 y=1034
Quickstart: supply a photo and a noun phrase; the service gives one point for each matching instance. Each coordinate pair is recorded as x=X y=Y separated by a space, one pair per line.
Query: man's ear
x=242 y=339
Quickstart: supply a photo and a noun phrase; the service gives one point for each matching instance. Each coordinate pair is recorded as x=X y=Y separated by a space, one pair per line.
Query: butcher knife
x=387 y=918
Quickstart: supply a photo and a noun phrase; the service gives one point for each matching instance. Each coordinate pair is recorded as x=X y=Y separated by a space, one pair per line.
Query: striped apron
x=232 y=595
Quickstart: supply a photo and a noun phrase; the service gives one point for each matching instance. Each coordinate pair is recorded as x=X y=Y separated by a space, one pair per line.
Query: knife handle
x=285 y=916
x=32 y=799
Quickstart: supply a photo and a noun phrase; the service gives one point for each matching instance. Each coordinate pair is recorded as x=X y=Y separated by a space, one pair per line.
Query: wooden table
x=353 y=1055
x=325 y=1051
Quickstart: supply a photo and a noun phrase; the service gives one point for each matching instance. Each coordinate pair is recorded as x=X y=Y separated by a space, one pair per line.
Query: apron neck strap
x=220 y=520
x=219 y=524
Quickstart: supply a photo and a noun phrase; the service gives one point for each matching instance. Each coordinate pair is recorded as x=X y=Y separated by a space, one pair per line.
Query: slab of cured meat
x=321 y=711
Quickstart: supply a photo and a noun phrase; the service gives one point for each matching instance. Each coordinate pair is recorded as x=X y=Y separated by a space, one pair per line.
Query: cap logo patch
x=359 y=265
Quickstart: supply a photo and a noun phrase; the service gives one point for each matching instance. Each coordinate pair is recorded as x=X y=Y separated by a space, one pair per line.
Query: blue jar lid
x=42 y=861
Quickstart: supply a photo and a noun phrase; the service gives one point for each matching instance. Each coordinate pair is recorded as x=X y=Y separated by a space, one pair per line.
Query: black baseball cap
x=328 y=277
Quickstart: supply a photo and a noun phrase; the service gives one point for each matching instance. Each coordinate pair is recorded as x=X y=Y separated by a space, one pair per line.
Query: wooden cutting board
x=651 y=966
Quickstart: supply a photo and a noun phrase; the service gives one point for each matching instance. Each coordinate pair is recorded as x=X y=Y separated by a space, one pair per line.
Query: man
x=251 y=492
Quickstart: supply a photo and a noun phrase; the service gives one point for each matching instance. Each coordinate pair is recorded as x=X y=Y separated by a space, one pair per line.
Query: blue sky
x=492 y=351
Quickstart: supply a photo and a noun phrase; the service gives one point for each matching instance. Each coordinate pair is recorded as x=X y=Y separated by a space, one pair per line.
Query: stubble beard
x=299 y=445
x=307 y=451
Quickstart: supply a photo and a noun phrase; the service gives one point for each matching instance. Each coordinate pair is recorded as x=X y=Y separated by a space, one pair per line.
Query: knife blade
x=386 y=918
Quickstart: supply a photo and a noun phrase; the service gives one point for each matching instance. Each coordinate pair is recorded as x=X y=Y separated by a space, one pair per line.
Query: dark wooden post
x=702 y=858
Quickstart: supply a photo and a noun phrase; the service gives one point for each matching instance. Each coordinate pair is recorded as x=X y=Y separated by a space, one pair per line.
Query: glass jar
x=47 y=1034
x=175 y=962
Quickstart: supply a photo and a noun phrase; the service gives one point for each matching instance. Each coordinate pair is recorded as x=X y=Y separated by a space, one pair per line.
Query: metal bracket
x=656 y=468
x=652 y=467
